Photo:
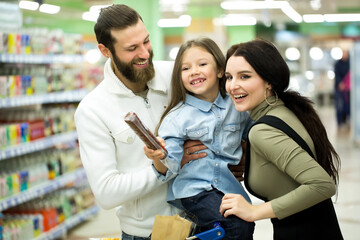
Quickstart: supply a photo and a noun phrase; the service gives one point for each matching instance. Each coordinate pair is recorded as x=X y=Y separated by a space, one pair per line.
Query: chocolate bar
x=143 y=132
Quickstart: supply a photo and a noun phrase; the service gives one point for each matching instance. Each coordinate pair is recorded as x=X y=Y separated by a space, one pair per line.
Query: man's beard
x=135 y=75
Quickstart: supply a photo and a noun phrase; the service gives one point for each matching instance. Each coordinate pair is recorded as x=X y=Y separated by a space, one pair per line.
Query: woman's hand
x=235 y=204
x=156 y=156
x=190 y=147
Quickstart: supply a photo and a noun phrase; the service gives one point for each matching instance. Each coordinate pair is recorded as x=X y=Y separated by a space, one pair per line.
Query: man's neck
x=134 y=87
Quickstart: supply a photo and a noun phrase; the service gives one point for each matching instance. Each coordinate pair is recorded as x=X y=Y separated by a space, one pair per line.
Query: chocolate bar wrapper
x=143 y=132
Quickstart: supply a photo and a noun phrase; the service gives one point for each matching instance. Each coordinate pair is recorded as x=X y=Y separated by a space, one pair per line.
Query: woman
x=296 y=187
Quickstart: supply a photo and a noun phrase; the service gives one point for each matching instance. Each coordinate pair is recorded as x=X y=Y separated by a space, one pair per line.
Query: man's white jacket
x=119 y=173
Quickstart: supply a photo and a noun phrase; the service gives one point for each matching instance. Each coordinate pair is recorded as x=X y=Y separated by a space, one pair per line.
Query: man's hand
x=238 y=170
x=190 y=147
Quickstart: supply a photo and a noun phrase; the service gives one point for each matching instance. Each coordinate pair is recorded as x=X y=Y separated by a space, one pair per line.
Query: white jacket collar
x=115 y=85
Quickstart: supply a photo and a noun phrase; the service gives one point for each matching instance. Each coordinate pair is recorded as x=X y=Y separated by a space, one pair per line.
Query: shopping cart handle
x=213 y=234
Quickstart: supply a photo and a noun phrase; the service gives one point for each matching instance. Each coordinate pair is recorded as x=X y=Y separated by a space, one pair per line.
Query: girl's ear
x=220 y=74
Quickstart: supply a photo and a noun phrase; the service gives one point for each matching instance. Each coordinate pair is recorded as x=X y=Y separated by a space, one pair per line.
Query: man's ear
x=104 y=50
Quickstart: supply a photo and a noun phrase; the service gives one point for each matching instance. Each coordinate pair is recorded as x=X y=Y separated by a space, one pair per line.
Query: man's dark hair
x=116 y=16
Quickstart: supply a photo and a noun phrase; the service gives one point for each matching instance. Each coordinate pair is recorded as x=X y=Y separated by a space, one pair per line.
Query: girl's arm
x=190 y=147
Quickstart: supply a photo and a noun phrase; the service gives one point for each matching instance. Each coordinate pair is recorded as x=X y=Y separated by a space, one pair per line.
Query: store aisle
x=347 y=202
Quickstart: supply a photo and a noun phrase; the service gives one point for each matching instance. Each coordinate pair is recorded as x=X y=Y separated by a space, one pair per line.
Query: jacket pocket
x=126 y=136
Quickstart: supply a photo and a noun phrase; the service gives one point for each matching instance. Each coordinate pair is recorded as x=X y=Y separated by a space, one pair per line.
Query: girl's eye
x=245 y=76
x=203 y=64
x=185 y=68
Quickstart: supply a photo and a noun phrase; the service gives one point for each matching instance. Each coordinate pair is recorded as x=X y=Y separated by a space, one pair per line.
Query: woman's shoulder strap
x=283 y=126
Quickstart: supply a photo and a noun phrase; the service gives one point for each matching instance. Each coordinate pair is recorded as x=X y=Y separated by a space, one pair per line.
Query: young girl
x=199 y=109
x=296 y=184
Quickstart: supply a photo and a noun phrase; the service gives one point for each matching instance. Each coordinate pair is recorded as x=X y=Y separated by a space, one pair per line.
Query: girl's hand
x=156 y=156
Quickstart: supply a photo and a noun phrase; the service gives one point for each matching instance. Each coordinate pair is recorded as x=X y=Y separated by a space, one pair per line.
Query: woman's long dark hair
x=267 y=61
x=178 y=91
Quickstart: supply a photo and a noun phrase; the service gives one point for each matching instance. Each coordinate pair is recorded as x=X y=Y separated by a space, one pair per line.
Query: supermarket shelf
x=62 y=229
x=41 y=59
x=55 y=97
x=44 y=188
x=37 y=145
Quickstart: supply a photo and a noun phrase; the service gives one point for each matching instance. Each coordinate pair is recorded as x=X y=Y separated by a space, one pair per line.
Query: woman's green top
x=280 y=170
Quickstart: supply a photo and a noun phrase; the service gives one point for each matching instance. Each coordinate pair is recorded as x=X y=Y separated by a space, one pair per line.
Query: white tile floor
x=347 y=204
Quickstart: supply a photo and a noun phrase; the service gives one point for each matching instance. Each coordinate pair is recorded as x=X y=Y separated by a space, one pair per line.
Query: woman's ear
x=268 y=86
x=104 y=50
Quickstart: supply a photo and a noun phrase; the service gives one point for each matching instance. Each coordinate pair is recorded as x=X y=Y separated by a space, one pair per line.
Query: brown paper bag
x=170 y=228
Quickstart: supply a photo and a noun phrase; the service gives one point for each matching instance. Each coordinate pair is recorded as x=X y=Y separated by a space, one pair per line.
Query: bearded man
x=117 y=169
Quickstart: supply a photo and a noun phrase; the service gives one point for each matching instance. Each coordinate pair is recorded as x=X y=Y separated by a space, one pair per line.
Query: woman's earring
x=267 y=101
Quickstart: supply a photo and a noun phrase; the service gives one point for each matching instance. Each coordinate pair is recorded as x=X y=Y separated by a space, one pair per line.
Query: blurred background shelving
x=49 y=61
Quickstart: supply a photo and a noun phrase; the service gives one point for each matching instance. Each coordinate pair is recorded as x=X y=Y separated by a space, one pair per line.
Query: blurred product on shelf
x=23 y=125
x=31 y=219
x=43 y=187
x=27 y=171
x=40 y=41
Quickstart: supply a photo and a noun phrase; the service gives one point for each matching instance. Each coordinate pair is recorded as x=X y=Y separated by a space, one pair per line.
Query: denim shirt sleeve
x=164 y=178
x=171 y=131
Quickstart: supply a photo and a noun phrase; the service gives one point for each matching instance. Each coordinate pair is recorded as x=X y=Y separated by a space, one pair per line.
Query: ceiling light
x=251 y=5
x=90 y=16
x=309 y=75
x=97 y=8
x=313 y=18
x=291 y=13
x=93 y=56
x=182 y=21
x=336 y=53
x=93 y=13
x=350 y=17
x=238 y=20
x=28 y=5
x=316 y=53
x=331 y=74
x=50 y=9
x=173 y=53
x=315 y=4
x=292 y=53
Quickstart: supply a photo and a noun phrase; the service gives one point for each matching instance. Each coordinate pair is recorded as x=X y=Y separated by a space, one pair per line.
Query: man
x=342 y=90
x=118 y=171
